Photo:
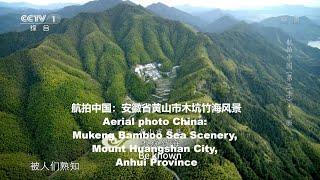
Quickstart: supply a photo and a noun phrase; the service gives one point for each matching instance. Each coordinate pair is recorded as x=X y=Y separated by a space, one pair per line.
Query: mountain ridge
x=221 y=24
x=301 y=28
x=172 y=13
x=90 y=57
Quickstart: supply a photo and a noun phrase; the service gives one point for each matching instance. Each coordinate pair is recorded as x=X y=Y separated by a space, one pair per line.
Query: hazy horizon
x=222 y=4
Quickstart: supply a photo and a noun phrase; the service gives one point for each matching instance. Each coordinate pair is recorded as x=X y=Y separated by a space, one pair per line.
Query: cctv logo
x=33 y=19
x=40 y=19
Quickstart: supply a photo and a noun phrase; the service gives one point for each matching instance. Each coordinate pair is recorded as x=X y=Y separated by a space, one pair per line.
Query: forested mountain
x=172 y=13
x=90 y=58
x=302 y=28
x=222 y=24
x=278 y=38
x=91 y=6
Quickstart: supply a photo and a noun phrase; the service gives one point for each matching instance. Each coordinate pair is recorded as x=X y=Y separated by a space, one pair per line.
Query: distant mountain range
x=222 y=24
x=211 y=15
x=218 y=20
x=255 y=15
x=172 y=13
x=24 y=5
x=214 y=20
x=300 y=28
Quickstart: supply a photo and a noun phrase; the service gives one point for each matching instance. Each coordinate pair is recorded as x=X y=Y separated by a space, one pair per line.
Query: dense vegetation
x=90 y=58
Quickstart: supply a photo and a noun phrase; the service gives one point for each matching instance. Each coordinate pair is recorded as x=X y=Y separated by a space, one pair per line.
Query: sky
x=223 y=4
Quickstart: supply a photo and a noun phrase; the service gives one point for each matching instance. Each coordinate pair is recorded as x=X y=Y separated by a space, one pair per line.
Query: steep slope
x=257 y=75
x=279 y=38
x=90 y=58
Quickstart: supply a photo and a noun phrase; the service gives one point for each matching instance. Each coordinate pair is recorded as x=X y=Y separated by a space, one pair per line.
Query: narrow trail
x=163 y=86
x=163 y=89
